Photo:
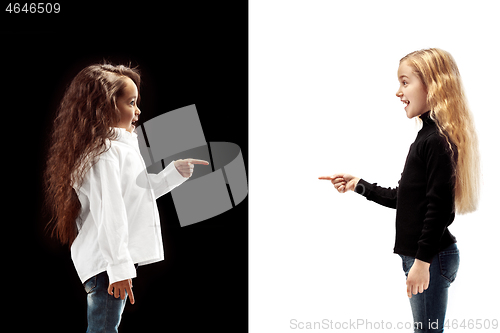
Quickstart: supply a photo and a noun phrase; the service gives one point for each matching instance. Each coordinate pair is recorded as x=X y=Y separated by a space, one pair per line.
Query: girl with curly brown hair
x=102 y=200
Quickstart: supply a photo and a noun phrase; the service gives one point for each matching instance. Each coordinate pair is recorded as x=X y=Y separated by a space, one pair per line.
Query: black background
x=196 y=53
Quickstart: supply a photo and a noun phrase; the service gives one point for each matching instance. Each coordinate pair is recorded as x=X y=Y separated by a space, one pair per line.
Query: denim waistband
x=452 y=247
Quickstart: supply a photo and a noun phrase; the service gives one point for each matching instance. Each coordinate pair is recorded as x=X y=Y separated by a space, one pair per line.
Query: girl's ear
x=115 y=106
x=118 y=114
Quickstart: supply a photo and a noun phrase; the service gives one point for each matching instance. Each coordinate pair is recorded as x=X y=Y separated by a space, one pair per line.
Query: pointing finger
x=330 y=177
x=193 y=161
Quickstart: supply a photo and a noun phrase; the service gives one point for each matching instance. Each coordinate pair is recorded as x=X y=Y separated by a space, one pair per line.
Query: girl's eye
x=405 y=83
x=132 y=103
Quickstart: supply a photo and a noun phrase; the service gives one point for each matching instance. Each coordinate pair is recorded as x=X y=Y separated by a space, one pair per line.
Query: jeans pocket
x=407 y=263
x=449 y=261
x=90 y=284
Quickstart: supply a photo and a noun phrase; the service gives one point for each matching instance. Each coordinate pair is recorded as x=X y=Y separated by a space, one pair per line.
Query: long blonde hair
x=449 y=109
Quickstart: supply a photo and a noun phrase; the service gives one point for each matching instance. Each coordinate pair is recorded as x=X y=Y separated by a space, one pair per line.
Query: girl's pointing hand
x=185 y=167
x=342 y=182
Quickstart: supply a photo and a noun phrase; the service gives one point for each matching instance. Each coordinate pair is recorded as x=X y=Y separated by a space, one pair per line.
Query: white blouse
x=119 y=219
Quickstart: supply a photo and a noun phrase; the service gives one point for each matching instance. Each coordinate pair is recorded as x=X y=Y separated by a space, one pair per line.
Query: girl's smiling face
x=412 y=91
x=127 y=105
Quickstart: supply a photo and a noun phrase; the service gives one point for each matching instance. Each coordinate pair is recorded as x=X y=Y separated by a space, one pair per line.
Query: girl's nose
x=137 y=111
x=399 y=93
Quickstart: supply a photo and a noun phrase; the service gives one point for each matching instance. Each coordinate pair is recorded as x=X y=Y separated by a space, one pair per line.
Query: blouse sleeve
x=165 y=181
x=108 y=209
x=384 y=196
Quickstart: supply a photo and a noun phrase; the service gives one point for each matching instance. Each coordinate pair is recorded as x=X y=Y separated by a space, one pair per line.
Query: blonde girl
x=440 y=178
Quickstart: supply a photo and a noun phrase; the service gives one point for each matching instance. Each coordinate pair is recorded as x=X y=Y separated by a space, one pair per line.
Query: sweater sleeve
x=439 y=195
x=384 y=196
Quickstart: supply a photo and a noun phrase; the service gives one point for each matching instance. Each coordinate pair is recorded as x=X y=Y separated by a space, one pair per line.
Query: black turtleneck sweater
x=424 y=199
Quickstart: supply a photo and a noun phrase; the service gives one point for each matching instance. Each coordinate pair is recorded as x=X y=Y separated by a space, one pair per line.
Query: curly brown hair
x=82 y=128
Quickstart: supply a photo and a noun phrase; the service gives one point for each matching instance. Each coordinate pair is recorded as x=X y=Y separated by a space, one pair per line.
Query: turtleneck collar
x=426 y=118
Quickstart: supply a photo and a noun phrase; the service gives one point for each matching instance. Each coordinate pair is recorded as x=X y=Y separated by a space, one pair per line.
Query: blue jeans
x=104 y=311
x=429 y=307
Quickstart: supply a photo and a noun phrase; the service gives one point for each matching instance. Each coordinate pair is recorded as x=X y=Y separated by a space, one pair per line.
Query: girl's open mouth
x=406 y=103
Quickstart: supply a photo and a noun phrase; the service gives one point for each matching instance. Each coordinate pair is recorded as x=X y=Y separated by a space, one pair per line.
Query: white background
x=322 y=100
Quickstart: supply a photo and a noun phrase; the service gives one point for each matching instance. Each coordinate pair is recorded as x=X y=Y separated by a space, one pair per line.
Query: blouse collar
x=124 y=135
